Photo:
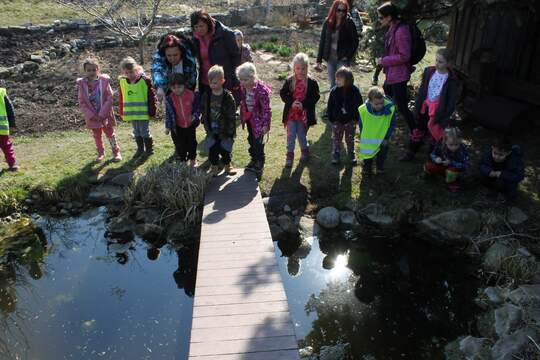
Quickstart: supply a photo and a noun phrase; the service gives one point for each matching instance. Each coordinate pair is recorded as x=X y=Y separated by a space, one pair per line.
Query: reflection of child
x=502 y=168
x=449 y=157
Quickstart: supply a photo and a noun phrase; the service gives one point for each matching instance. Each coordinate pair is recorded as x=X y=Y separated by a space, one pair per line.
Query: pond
x=97 y=298
x=389 y=298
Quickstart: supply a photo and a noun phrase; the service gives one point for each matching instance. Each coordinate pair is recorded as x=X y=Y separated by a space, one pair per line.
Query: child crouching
x=182 y=118
x=450 y=158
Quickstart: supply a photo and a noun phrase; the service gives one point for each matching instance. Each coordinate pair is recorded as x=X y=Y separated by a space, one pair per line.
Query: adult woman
x=215 y=44
x=339 y=40
x=396 y=60
x=174 y=55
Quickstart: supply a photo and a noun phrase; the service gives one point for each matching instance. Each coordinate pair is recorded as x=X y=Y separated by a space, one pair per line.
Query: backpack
x=418 y=44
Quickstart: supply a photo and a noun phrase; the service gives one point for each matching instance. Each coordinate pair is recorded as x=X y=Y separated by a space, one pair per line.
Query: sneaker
x=100 y=157
x=229 y=170
x=117 y=157
x=14 y=167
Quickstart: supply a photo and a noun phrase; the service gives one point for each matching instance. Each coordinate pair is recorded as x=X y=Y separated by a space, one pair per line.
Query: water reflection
x=387 y=298
x=97 y=295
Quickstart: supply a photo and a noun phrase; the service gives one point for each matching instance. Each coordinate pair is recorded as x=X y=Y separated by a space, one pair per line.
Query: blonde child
x=182 y=117
x=255 y=111
x=218 y=114
x=342 y=110
x=245 y=49
x=96 y=104
x=377 y=121
x=450 y=158
x=300 y=94
x=137 y=104
x=7 y=126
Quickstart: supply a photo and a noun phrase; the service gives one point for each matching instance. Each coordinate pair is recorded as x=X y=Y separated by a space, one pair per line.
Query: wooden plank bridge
x=240 y=310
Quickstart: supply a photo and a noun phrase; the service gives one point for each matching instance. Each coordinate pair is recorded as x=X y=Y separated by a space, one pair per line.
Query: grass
x=18 y=12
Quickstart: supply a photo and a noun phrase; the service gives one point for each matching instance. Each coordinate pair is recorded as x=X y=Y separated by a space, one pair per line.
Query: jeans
x=140 y=128
x=398 y=93
x=296 y=129
x=256 y=146
x=185 y=142
x=379 y=159
x=333 y=66
x=216 y=151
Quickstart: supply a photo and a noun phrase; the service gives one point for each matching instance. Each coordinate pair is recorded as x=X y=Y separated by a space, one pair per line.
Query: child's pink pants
x=7 y=147
x=109 y=132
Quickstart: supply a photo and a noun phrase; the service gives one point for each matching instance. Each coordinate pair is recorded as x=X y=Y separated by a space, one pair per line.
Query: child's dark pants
x=185 y=142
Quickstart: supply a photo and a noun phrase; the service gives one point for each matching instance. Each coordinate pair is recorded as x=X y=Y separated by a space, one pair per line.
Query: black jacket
x=343 y=105
x=10 y=112
x=347 y=41
x=512 y=169
x=448 y=98
x=223 y=51
x=312 y=96
x=227 y=121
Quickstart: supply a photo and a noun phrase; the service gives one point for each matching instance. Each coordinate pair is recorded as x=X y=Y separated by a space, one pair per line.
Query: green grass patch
x=18 y=12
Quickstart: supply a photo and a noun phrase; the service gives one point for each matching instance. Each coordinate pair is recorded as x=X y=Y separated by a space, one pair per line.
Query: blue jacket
x=385 y=111
x=170 y=113
x=512 y=168
x=458 y=159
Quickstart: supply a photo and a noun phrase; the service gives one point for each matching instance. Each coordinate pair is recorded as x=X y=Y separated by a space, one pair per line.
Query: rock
x=486 y=324
x=455 y=225
x=276 y=231
x=64 y=212
x=334 y=352
x=308 y=227
x=347 y=219
x=5 y=72
x=275 y=203
x=266 y=57
x=328 y=217
x=106 y=194
x=474 y=348
x=516 y=216
x=149 y=216
x=149 y=232
x=274 y=63
x=376 y=214
x=306 y=352
x=507 y=318
x=30 y=67
x=506 y=347
x=120 y=224
x=525 y=294
x=496 y=295
x=286 y=223
x=124 y=179
x=286 y=208
x=452 y=350
x=178 y=232
x=40 y=59
x=283 y=68
x=495 y=255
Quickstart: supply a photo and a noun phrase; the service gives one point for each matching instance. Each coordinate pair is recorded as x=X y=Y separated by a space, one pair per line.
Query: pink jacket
x=106 y=112
x=396 y=61
x=261 y=115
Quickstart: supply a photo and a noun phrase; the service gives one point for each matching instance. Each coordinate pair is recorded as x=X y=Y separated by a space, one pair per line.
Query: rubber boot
x=305 y=154
x=140 y=147
x=289 y=159
x=148 y=146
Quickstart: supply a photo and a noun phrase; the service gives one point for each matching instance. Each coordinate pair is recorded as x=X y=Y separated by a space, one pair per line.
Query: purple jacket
x=396 y=62
x=261 y=115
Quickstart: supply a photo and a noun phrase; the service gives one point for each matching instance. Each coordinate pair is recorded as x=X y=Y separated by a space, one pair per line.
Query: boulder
x=347 y=219
x=507 y=318
x=120 y=224
x=516 y=216
x=456 y=225
x=496 y=295
x=308 y=227
x=376 y=213
x=124 y=179
x=328 y=217
x=30 y=67
x=276 y=203
x=486 y=324
x=106 y=194
x=525 y=294
x=509 y=345
x=474 y=348
x=495 y=255
x=40 y=59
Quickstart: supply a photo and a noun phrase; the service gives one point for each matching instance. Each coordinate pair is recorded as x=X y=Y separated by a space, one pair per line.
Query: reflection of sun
x=340 y=266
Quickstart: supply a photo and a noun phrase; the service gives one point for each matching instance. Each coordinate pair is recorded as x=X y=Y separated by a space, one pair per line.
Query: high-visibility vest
x=4 y=124
x=374 y=129
x=135 y=100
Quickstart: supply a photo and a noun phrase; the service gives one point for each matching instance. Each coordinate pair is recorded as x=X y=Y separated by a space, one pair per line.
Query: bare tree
x=132 y=19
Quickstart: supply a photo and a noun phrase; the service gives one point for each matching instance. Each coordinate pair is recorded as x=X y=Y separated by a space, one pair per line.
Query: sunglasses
x=341 y=10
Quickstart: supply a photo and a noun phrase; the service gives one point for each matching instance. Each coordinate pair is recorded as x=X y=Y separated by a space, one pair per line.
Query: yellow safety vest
x=374 y=129
x=135 y=100
x=4 y=123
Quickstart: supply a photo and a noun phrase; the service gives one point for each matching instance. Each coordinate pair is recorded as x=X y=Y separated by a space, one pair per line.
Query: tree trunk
x=141 y=50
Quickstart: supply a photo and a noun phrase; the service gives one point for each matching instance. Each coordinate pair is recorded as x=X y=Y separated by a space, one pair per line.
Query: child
x=137 y=104
x=96 y=104
x=218 y=110
x=255 y=112
x=435 y=102
x=377 y=121
x=182 y=118
x=449 y=157
x=7 y=126
x=245 y=49
x=300 y=94
x=502 y=168
x=343 y=104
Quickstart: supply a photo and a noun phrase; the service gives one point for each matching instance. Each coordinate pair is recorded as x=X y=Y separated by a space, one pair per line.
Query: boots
x=148 y=145
x=229 y=170
x=305 y=154
x=289 y=159
x=140 y=147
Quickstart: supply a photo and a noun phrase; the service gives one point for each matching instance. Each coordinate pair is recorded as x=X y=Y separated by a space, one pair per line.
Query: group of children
x=501 y=168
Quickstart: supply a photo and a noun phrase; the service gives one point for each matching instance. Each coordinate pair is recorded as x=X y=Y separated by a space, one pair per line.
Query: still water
x=94 y=298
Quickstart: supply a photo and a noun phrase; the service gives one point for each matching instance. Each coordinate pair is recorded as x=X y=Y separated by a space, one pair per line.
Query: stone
x=509 y=345
x=525 y=294
x=106 y=194
x=334 y=352
x=474 y=348
x=347 y=219
x=124 y=179
x=306 y=352
x=275 y=203
x=516 y=216
x=496 y=295
x=266 y=57
x=486 y=324
x=495 y=255
x=507 y=318
x=455 y=225
x=287 y=224
x=120 y=224
x=276 y=231
x=376 y=213
x=149 y=232
x=308 y=227
x=5 y=72
x=149 y=216
x=40 y=59
x=30 y=67
x=283 y=67
x=328 y=217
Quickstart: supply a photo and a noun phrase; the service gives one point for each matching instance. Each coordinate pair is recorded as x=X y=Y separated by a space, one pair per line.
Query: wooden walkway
x=240 y=310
